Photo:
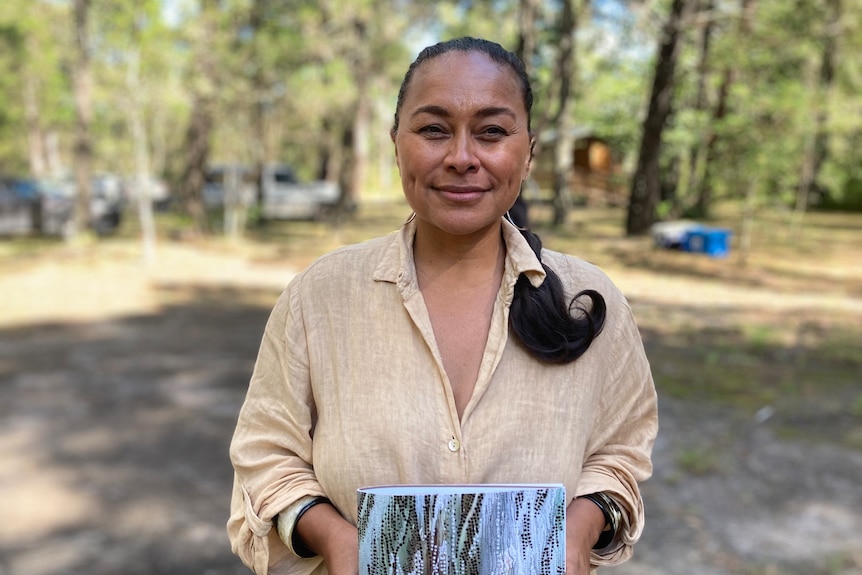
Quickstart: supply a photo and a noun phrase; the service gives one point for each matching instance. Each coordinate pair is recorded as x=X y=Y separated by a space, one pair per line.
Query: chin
x=465 y=225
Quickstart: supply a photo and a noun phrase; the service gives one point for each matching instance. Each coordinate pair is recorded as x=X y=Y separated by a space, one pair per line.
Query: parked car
x=16 y=211
x=282 y=196
x=33 y=206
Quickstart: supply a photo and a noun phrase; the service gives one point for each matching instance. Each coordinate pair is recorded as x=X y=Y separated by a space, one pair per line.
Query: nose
x=461 y=154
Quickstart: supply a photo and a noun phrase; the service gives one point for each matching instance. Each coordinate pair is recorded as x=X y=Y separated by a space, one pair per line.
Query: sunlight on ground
x=122 y=381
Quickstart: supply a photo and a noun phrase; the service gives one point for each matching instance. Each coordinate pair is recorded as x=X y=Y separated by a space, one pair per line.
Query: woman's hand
x=327 y=533
x=584 y=524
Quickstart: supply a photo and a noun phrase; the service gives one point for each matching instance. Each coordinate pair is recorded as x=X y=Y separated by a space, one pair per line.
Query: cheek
x=414 y=162
x=515 y=166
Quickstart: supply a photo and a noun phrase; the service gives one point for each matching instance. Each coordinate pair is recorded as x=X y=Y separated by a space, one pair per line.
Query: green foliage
x=290 y=74
x=12 y=50
x=482 y=18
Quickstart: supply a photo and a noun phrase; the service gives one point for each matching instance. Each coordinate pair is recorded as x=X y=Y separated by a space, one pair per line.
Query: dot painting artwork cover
x=462 y=530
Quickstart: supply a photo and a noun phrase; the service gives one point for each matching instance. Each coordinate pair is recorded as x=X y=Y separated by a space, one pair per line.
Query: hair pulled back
x=551 y=328
x=467 y=44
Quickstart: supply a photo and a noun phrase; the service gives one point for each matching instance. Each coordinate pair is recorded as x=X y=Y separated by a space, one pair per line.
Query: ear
x=395 y=145
x=528 y=165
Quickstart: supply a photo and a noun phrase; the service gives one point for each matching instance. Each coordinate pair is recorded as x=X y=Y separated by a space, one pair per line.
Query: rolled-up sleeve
x=271 y=450
x=619 y=452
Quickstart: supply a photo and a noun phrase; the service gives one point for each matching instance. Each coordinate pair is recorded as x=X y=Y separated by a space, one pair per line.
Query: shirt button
x=454 y=445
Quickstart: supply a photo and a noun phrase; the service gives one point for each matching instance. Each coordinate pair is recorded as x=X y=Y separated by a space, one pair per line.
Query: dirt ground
x=120 y=383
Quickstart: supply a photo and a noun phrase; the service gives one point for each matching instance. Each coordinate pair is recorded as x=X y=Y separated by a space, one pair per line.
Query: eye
x=493 y=133
x=432 y=131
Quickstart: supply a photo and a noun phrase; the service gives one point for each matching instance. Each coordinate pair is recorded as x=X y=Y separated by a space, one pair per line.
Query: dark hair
x=550 y=328
x=493 y=50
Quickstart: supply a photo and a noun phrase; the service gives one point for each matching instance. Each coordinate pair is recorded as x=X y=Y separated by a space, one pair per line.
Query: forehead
x=465 y=80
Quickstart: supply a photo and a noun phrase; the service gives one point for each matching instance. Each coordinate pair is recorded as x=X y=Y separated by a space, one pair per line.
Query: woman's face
x=463 y=143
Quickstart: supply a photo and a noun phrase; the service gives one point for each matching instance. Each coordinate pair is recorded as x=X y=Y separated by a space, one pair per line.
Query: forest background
x=701 y=101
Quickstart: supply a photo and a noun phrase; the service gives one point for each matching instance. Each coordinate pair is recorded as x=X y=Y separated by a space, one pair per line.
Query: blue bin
x=714 y=242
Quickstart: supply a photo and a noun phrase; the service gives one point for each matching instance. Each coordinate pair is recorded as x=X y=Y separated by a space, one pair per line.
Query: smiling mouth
x=461 y=190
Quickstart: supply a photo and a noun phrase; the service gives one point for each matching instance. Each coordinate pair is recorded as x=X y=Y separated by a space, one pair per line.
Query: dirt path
x=120 y=385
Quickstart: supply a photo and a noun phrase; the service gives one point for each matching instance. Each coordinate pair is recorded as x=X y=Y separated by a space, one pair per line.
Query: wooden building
x=597 y=177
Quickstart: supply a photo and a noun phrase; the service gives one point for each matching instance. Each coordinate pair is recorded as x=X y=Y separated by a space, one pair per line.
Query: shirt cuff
x=287 y=520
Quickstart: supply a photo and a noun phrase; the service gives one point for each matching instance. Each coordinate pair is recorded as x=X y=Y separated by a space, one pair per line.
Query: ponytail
x=552 y=329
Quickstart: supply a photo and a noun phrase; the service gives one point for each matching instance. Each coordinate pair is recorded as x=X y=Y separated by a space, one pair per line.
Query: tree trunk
x=197 y=140
x=197 y=154
x=564 y=145
x=528 y=14
x=83 y=153
x=35 y=136
x=527 y=34
x=646 y=183
x=259 y=140
x=134 y=117
x=697 y=154
x=704 y=189
x=363 y=68
x=53 y=157
x=753 y=184
x=817 y=147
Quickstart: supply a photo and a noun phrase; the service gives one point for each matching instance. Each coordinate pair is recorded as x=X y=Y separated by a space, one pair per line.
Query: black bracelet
x=612 y=515
x=299 y=546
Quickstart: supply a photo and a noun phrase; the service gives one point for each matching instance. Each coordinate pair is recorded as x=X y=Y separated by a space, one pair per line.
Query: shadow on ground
x=114 y=438
x=117 y=432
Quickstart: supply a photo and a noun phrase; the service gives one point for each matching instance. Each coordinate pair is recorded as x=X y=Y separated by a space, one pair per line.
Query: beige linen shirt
x=349 y=391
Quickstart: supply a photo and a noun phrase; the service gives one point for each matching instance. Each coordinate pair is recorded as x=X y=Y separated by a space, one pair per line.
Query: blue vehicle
x=42 y=207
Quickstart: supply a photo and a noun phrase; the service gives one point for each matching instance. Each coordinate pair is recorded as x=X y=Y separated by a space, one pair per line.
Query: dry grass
x=784 y=321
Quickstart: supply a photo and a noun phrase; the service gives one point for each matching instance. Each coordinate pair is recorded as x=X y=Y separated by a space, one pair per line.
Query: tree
x=646 y=182
x=696 y=154
x=369 y=60
x=311 y=83
x=36 y=138
x=200 y=126
x=83 y=110
x=135 y=23
x=705 y=163
x=564 y=143
x=816 y=146
x=528 y=41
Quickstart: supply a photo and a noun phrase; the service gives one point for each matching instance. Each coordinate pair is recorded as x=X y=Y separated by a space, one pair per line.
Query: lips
x=461 y=192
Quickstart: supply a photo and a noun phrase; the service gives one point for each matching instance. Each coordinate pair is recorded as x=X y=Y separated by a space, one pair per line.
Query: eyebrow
x=483 y=113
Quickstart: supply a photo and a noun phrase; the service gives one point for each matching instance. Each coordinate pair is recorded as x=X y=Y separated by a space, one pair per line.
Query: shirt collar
x=397 y=264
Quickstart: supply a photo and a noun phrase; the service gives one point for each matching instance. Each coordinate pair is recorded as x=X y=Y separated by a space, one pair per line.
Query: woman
x=455 y=350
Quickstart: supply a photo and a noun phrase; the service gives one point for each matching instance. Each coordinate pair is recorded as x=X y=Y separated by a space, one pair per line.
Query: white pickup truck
x=282 y=196
x=285 y=198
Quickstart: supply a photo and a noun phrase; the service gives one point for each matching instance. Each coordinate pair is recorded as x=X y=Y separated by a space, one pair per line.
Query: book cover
x=462 y=530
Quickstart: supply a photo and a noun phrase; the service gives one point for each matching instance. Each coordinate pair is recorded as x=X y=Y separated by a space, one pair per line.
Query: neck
x=459 y=261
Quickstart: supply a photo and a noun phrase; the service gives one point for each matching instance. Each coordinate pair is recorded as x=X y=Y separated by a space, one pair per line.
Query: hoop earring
x=411 y=218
